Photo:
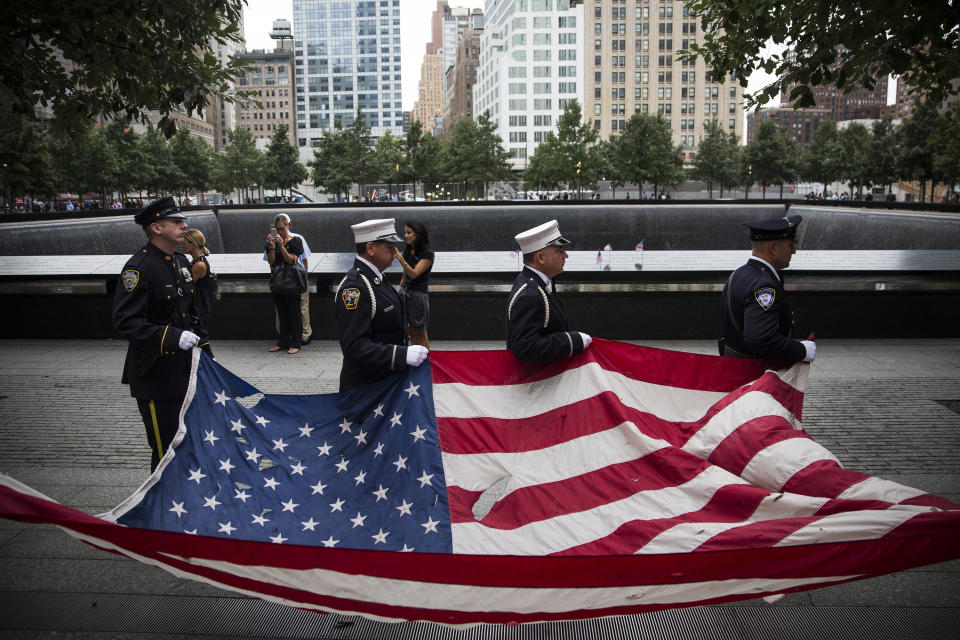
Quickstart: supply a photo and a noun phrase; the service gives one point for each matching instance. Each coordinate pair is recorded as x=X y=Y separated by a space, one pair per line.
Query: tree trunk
x=710 y=190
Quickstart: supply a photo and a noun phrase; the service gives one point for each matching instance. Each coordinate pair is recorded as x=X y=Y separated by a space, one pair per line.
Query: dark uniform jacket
x=153 y=305
x=537 y=323
x=757 y=319
x=372 y=325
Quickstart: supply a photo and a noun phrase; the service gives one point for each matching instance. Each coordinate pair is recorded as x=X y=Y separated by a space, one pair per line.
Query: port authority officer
x=371 y=319
x=756 y=316
x=536 y=321
x=155 y=310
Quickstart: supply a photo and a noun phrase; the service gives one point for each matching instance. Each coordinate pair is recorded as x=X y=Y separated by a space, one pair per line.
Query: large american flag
x=477 y=489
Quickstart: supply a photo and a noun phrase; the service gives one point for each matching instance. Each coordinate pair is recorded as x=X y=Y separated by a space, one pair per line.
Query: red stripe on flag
x=592 y=415
x=646 y=364
x=731 y=503
x=736 y=450
x=661 y=469
x=823 y=478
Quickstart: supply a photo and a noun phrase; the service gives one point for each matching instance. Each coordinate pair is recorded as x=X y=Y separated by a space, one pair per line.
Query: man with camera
x=154 y=308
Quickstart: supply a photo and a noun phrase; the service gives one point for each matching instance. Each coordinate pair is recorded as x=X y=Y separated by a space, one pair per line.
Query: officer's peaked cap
x=158 y=210
x=774 y=228
x=373 y=230
x=540 y=237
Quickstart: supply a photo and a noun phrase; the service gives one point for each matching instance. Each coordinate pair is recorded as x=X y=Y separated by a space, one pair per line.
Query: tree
x=848 y=44
x=357 y=152
x=885 y=152
x=429 y=160
x=282 y=168
x=411 y=153
x=83 y=162
x=131 y=163
x=463 y=157
x=771 y=155
x=491 y=164
x=715 y=162
x=25 y=163
x=580 y=161
x=543 y=168
x=608 y=166
x=241 y=164
x=946 y=154
x=327 y=168
x=646 y=152
x=822 y=161
x=856 y=149
x=160 y=175
x=918 y=133
x=386 y=160
x=122 y=57
x=193 y=159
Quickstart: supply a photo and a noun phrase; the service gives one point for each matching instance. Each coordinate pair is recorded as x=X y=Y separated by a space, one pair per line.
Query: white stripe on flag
x=688 y=536
x=457 y=400
x=853 y=525
x=467 y=598
x=410 y=593
x=751 y=405
x=479 y=471
x=772 y=466
x=877 y=489
x=573 y=529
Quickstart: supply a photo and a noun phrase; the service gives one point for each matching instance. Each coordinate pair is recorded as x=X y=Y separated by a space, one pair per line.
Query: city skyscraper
x=858 y=104
x=269 y=80
x=346 y=55
x=531 y=62
x=632 y=67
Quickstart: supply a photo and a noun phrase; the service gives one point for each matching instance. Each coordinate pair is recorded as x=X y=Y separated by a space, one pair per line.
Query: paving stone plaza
x=69 y=429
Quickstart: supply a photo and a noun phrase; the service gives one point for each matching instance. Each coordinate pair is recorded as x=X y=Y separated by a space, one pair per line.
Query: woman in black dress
x=284 y=248
x=205 y=284
x=417 y=262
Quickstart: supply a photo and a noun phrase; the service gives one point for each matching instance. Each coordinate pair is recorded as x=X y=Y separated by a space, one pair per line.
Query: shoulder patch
x=765 y=297
x=350 y=297
x=130 y=279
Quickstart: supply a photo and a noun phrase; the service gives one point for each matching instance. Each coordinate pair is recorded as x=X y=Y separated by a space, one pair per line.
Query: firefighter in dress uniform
x=155 y=310
x=371 y=319
x=756 y=316
x=536 y=321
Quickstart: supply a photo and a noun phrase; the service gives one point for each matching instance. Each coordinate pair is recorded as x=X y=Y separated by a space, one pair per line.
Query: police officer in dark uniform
x=536 y=321
x=154 y=308
x=757 y=318
x=371 y=319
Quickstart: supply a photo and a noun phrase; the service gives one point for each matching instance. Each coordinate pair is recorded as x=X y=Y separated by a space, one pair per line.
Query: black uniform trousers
x=161 y=418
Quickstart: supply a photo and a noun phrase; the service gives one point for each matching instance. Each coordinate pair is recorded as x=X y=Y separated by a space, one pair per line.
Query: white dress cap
x=537 y=238
x=373 y=230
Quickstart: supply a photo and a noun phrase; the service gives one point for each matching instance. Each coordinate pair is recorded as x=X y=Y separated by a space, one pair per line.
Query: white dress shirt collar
x=369 y=264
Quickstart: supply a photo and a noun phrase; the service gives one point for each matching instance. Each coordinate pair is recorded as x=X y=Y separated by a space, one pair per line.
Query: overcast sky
x=414 y=33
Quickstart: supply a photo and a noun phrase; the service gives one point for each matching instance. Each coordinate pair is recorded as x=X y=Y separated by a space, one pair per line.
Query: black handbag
x=288 y=279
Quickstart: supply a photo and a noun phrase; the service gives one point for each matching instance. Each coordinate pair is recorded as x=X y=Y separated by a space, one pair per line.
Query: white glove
x=188 y=340
x=811 y=348
x=416 y=354
x=586 y=340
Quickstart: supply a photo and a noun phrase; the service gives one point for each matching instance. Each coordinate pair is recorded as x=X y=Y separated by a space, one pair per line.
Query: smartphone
x=273 y=231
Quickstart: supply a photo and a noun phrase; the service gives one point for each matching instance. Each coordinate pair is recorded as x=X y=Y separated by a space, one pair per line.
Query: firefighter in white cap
x=371 y=319
x=536 y=322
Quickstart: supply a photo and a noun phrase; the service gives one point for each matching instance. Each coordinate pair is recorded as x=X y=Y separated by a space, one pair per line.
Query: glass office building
x=346 y=55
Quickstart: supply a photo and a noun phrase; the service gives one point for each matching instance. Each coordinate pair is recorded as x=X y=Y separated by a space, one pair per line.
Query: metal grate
x=118 y=615
x=953 y=405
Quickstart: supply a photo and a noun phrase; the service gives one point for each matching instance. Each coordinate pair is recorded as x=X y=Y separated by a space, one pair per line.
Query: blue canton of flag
x=360 y=469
